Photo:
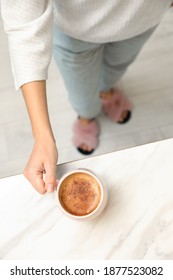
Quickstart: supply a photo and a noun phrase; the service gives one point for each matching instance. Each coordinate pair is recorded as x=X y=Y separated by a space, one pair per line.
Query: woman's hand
x=43 y=160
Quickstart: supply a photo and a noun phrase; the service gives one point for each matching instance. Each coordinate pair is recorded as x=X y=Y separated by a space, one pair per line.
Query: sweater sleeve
x=28 y=24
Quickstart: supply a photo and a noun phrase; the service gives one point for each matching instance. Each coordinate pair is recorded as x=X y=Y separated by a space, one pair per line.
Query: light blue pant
x=87 y=68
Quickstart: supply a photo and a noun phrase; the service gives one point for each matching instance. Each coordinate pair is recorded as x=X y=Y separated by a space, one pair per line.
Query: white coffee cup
x=103 y=197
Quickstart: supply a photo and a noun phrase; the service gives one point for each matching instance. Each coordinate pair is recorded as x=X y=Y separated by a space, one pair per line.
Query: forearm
x=35 y=98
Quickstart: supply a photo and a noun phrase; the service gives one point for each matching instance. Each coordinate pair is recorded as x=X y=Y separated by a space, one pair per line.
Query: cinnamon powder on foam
x=80 y=194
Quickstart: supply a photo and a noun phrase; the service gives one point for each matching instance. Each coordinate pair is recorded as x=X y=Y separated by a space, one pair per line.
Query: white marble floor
x=148 y=83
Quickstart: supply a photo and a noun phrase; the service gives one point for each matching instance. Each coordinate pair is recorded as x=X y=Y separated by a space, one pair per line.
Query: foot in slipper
x=116 y=105
x=85 y=135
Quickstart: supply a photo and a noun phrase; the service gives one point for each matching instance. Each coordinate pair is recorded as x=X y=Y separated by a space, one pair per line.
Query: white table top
x=136 y=224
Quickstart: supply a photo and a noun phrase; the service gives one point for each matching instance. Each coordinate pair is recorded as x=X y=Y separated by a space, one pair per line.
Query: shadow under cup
x=81 y=194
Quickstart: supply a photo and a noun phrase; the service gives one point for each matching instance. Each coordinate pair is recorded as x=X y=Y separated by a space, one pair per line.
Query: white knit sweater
x=28 y=24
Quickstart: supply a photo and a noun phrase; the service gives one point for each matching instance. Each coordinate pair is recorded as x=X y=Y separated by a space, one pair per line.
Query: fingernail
x=49 y=188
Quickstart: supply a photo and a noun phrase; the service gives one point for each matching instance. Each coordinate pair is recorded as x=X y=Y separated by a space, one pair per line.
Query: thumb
x=50 y=179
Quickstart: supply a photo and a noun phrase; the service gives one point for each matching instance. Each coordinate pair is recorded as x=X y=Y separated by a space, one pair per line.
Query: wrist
x=44 y=137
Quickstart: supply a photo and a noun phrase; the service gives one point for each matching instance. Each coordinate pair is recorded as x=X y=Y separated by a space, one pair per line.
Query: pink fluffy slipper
x=117 y=104
x=85 y=135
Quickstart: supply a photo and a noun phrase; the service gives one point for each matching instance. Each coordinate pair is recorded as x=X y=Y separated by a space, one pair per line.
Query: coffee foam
x=80 y=194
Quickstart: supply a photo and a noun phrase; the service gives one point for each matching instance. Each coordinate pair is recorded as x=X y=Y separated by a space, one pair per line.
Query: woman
x=94 y=43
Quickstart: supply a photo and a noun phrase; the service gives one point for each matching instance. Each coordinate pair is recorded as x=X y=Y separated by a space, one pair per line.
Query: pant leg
x=80 y=65
x=118 y=56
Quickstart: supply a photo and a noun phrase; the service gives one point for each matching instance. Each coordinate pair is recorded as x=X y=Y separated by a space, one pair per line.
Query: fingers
x=50 y=178
x=41 y=168
x=36 y=180
x=49 y=184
